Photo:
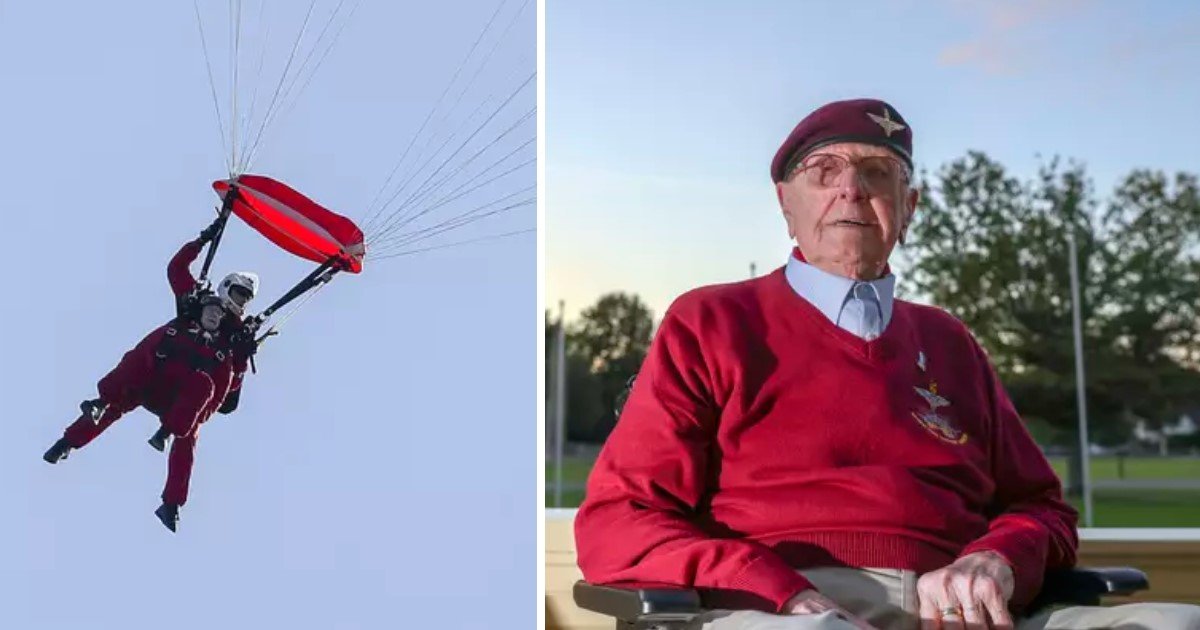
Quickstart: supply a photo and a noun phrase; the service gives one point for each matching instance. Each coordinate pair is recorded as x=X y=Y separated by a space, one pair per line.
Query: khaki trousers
x=887 y=599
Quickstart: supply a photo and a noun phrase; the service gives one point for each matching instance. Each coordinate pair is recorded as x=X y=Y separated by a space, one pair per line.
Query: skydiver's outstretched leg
x=79 y=433
x=179 y=475
x=120 y=392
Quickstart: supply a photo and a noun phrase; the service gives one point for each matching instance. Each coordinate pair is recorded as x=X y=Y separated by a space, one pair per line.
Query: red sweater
x=759 y=438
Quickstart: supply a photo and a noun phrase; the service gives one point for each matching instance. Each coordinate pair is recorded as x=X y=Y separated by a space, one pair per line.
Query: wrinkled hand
x=811 y=602
x=977 y=585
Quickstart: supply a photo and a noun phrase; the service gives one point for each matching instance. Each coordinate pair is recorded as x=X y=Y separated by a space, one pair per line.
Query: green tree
x=606 y=347
x=1152 y=286
x=993 y=250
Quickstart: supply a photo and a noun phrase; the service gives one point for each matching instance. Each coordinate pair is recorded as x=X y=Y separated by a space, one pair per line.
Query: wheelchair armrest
x=1084 y=586
x=1114 y=580
x=639 y=603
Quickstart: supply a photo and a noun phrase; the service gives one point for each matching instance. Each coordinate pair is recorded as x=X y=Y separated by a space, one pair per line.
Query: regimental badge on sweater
x=937 y=424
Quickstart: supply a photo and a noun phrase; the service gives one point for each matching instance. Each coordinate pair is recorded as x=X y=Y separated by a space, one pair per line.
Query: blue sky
x=381 y=470
x=662 y=118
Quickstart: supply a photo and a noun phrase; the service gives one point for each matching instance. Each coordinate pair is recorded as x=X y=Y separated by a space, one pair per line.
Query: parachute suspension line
x=413 y=174
x=376 y=211
x=404 y=186
x=449 y=158
x=451 y=196
x=455 y=194
x=388 y=224
x=465 y=218
x=489 y=237
x=213 y=84
x=249 y=118
x=235 y=39
x=320 y=60
x=397 y=218
x=412 y=203
x=283 y=102
x=491 y=52
x=471 y=137
x=282 y=77
x=487 y=58
x=484 y=63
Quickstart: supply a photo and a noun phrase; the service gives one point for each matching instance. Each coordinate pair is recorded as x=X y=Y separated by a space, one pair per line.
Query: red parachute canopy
x=295 y=222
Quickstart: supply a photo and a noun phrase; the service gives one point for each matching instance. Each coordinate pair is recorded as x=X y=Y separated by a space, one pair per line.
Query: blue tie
x=867 y=303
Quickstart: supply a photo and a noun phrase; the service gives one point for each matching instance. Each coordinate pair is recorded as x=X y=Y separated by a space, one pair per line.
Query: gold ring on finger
x=951 y=611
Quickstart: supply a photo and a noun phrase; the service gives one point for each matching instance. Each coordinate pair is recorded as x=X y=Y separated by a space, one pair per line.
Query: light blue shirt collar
x=833 y=295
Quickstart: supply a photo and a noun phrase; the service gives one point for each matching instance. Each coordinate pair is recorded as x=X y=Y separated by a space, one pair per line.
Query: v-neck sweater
x=760 y=438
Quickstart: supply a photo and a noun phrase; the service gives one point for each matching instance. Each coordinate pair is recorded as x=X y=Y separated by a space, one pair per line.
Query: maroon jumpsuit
x=178 y=372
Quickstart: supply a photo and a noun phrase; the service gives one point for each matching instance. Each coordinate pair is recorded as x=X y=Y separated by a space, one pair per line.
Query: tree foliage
x=605 y=348
x=993 y=250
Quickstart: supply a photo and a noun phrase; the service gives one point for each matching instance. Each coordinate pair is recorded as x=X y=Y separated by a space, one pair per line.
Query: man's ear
x=783 y=209
x=911 y=201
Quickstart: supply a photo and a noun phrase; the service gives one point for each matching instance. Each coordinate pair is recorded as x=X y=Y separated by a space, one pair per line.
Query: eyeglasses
x=877 y=174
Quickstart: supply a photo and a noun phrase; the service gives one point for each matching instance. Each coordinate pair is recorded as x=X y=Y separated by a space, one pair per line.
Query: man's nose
x=851 y=187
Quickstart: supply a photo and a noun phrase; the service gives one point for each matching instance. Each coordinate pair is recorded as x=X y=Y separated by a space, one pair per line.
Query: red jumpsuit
x=176 y=372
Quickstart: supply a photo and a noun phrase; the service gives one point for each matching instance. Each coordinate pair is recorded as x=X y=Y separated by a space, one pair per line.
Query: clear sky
x=662 y=117
x=381 y=470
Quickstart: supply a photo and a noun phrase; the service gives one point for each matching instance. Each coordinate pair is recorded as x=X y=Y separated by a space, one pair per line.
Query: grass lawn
x=574 y=470
x=570 y=498
x=1144 y=508
x=1114 y=507
x=1137 y=467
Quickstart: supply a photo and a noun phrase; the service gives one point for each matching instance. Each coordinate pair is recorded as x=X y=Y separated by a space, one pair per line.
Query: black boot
x=159 y=439
x=58 y=451
x=168 y=513
x=94 y=408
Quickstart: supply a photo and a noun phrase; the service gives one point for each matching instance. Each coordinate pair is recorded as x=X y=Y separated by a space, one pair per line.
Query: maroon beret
x=865 y=120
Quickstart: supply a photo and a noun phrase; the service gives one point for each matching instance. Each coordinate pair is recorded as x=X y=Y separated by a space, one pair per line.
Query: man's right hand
x=811 y=602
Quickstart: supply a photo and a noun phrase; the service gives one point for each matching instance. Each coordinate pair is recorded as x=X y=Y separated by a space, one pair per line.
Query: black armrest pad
x=1114 y=580
x=1085 y=586
x=629 y=602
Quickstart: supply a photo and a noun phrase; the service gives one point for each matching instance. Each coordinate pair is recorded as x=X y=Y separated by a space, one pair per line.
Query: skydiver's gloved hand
x=252 y=324
x=210 y=232
x=244 y=344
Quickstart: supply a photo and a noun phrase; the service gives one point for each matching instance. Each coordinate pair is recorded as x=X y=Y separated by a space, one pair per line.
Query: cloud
x=1001 y=46
x=990 y=56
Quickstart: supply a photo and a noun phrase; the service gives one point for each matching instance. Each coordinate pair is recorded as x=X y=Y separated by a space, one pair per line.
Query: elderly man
x=811 y=452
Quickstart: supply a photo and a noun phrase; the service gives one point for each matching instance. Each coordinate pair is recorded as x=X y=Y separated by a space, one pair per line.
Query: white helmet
x=244 y=280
